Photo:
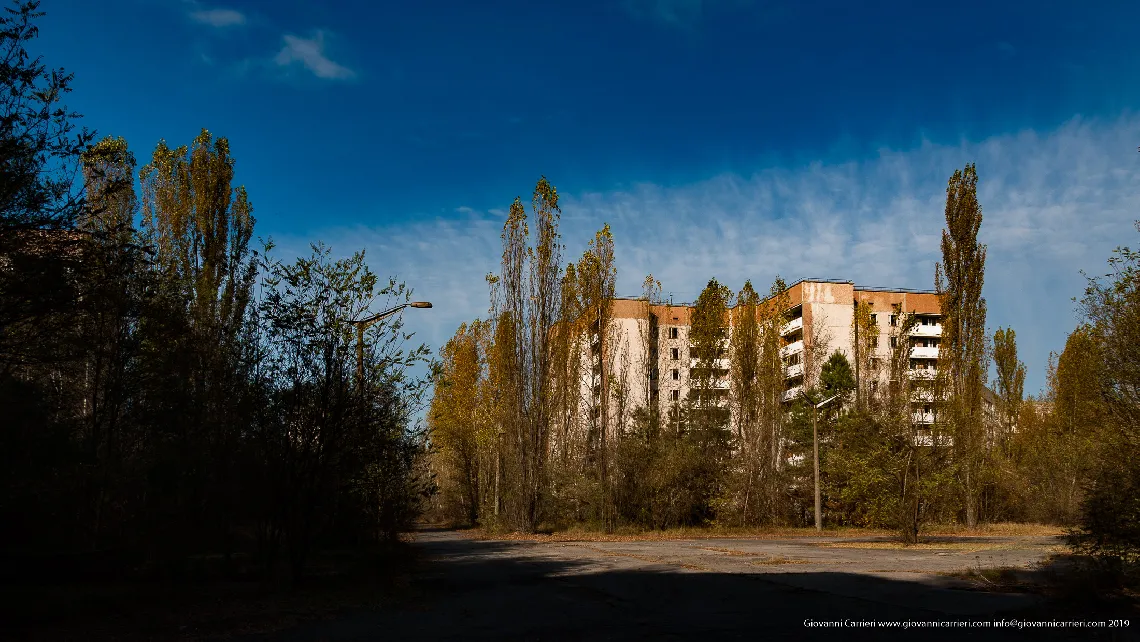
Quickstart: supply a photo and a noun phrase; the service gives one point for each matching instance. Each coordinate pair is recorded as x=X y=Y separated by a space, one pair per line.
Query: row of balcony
x=719 y=364
x=917 y=352
x=717 y=384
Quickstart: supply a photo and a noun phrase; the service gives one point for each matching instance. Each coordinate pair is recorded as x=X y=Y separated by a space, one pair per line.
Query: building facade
x=650 y=359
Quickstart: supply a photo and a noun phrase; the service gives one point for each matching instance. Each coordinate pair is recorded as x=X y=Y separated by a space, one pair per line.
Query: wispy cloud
x=1054 y=203
x=310 y=53
x=218 y=17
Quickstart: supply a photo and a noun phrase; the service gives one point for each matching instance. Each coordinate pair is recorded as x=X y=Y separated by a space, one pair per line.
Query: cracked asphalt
x=707 y=589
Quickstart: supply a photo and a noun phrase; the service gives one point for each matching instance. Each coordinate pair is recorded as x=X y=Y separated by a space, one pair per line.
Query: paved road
x=696 y=589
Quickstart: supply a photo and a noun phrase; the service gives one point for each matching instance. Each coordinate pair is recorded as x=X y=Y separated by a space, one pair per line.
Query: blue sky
x=726 y=138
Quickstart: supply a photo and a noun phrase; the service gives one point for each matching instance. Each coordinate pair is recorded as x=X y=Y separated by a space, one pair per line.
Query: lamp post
x=364 y=324
x=815 y=456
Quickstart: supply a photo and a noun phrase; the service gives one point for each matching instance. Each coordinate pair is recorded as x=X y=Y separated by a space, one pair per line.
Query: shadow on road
x=480 y=590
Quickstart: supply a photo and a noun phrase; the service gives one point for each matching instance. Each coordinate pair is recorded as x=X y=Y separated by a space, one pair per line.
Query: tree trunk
x=971 y=502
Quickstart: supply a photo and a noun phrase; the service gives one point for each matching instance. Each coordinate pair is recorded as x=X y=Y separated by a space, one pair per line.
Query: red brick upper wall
x=802 y=292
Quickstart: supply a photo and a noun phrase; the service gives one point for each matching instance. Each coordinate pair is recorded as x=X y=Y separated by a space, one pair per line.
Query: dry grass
x=779 y=561
x=728 y=551
x=581 y=533
x=1003 y=529
x=963 y=547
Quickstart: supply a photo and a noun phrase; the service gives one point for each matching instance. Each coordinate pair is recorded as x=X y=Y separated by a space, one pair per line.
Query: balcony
x=718 y=364
x=791 y=326
x=793 y=393
x=922 y=395
x=794 y=370
x=923 y=418
x=716 y=384
x=926 y=331
x=920 y=352
x=792 y=348
x=929 y=374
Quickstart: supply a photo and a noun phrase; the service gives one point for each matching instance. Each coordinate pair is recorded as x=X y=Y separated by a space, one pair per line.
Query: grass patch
x=962 y=547
x=589 y=533
x=728 y=551
x=1002 y=529
x=779 y=561
x=629 y=534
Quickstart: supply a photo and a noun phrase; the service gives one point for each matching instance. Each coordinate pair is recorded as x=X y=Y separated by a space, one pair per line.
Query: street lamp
x=815 y=456
x=364 y=324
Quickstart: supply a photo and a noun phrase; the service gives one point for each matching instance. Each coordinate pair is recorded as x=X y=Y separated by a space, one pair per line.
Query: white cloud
x=219 y=17
x=309 y=52
x=1053 y=204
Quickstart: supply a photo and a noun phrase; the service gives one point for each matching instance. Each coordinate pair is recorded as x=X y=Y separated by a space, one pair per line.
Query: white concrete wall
x=838 y=319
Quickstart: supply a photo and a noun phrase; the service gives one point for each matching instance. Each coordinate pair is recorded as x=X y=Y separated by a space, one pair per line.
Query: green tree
x=39 y=144
x=199 y=227
x=1010 y=378
x=596 y=280
x=526 y=294
x=337 y=452
x=707 y=410
x=836 y=378
x=958 y=279
x=40 y=154
x=865 y=330
x=454 y=422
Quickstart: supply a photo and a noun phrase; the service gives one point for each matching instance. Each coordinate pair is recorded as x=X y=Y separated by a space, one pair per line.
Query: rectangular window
x=894 y=320
x=676 y=374
x=672 y=333
x=676 y=353
x=894 y=340
x=874 y=318
x=676 y=394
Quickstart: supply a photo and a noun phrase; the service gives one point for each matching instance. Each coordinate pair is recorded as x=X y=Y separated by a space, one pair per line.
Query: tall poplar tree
x=454 y=422
x=1010 y=378
x=707 y=425
x=526 y=302
x=746 y=357
x=771 y=384
x=958 y=280
x=866 y=332
x=597 y=278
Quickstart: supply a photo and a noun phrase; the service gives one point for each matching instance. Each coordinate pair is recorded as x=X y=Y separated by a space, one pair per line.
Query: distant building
x=653 y=357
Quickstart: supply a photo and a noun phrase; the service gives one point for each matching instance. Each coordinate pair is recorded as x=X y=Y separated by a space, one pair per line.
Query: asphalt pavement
x=747 y=589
